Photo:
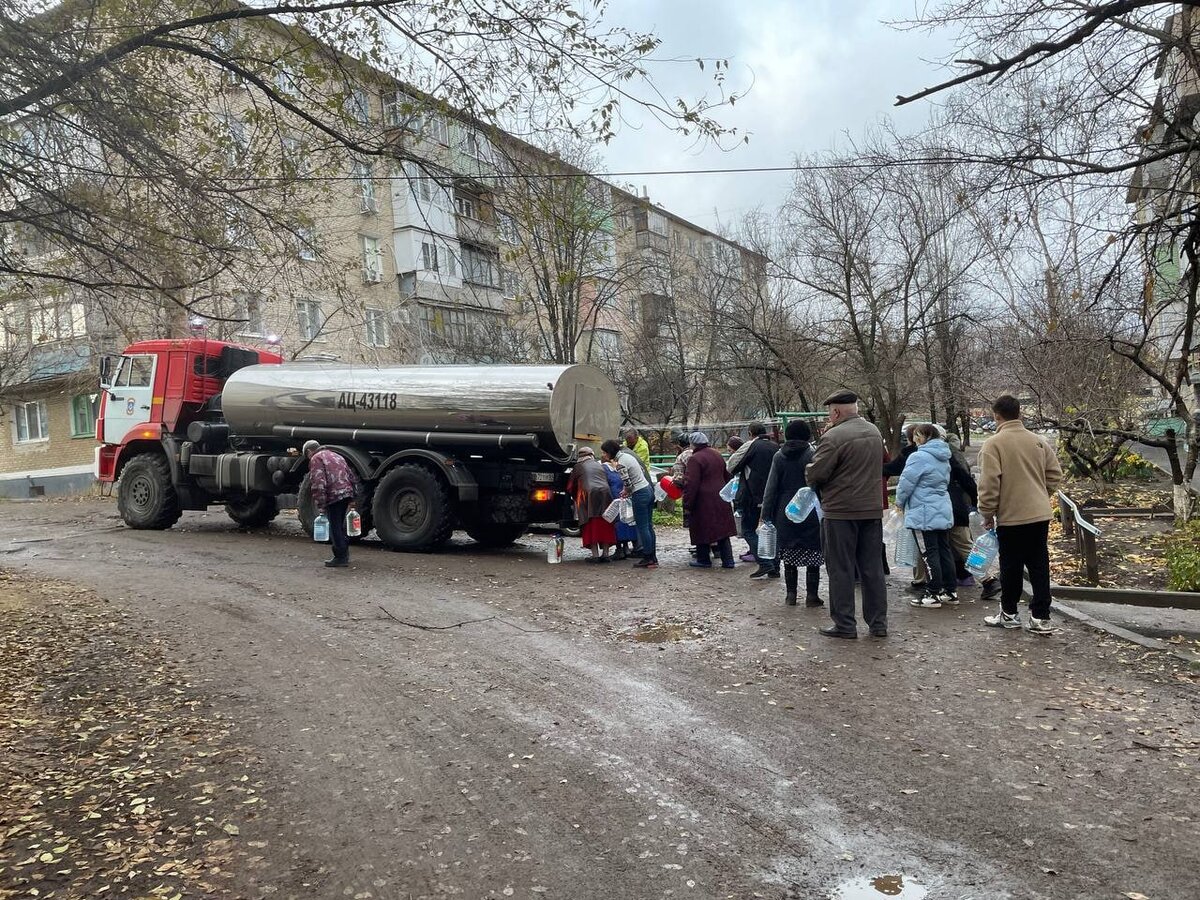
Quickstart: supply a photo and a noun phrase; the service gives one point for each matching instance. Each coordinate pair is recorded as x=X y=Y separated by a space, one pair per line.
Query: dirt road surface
x=481 y=724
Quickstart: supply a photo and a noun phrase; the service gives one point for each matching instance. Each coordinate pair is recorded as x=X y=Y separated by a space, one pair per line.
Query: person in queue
x=799 y=543
x=845 y=472
x=333 y=487
x=710 y=517
x=641 y=493
x=589 y=486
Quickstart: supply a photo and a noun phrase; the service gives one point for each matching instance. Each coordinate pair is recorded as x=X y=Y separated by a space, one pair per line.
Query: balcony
x=59 y=358
x=476 y=231
x=649 y=240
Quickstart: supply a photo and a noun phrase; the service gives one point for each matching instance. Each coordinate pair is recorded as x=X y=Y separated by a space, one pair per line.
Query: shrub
x=1183 y=558
x=1131 y=465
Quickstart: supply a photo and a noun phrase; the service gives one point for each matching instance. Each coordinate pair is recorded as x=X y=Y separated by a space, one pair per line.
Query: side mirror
x=105 y=371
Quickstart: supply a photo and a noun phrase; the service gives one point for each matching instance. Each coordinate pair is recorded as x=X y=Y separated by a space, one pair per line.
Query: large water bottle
x=729 y=492
x=767 y=541
x=983 y=555
x=801 y=505
x=976 y=524
x=353 y=523
x=321 y=528
x=554 y=550
x=660 y=493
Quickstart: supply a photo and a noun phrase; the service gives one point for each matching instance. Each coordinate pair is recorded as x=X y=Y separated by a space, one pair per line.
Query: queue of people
x=843 y=533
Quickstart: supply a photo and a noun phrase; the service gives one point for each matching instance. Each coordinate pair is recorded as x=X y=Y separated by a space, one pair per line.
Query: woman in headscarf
x=589 y=485
x=799 y=544
x=711 y=518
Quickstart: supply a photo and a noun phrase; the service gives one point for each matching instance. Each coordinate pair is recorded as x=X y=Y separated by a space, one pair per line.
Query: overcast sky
x=815 y=69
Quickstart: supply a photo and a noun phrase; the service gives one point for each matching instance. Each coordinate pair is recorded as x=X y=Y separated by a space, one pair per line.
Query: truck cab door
x=128 y=400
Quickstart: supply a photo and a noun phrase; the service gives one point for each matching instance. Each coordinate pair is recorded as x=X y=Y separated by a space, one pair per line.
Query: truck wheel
x=253 y=512
x=496 y=535
x=146 y=498
x=412 y=509
x=306 y=512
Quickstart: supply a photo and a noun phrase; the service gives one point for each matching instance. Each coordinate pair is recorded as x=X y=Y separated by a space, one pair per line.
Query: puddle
x=663 y=632
x=880 y=886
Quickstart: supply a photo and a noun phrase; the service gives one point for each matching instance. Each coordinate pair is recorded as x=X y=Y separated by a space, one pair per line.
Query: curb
x=1117 y=631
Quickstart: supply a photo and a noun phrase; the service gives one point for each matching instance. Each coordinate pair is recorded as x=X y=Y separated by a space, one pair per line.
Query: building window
x=33 y=422
x=295 y=160
x=507 y=227
x=58 y=322
x=366 y=185
x=510 y=284
x=247 y=310
x=287 y=82
x=306 y=242
x=84 y=410
x=429 y=256
x=479 y=267
x=377 y=327
x=657 y=223
x=238 y=140
x=309 y=318
x=692 y=247
x=358 y=106
x=467 y=206
x=475 y=145
x=372 y=259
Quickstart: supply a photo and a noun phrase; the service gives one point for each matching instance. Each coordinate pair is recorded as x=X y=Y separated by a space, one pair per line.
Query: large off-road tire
x=492 y=534
x=253 y=511
x=146 y=498
x=306 y=512
x=412 y=509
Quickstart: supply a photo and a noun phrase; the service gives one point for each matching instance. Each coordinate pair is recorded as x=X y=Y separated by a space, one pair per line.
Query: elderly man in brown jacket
x=845 y=473
x=1018 y=471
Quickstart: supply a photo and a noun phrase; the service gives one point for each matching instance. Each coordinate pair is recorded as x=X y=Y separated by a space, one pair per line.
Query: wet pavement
x=481 y=724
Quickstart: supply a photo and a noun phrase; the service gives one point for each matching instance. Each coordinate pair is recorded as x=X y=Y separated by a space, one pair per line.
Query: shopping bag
x=627 y=515
x=613 y=510
x=906 y=548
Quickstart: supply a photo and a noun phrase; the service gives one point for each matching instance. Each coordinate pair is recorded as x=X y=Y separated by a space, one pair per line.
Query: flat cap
x=699 y=439
x=840 y=397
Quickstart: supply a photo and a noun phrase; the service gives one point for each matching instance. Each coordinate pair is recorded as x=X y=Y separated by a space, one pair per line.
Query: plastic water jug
x=729 y=492
x=984 y=554
x=659 y=493
x=767 y=541
x=353 y=523
x=976 y=524
x=554 y=550
x=801 y=505
x=321 y=528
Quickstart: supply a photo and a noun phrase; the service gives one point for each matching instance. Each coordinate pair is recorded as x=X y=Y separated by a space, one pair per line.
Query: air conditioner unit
x=371 y=277
x=370 y=205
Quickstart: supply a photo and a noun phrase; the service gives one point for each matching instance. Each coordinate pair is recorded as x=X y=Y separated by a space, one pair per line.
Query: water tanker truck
x=187 y=424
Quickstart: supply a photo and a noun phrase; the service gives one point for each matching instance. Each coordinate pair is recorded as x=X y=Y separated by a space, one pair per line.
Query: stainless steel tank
x=564 y=406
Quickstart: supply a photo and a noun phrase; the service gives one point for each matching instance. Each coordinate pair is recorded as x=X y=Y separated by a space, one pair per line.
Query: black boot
x=812 y=580
x=791 y=577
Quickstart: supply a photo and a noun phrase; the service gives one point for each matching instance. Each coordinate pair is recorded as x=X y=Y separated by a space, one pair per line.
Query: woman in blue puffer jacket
x=923 y=495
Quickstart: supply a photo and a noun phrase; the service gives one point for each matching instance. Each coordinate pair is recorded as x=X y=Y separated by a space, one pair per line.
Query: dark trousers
x=751 y=517
x=336 y=512
x=1025 y=548
x=643 y=514
x=939 y=560
x=855 y=545
x=724 y=545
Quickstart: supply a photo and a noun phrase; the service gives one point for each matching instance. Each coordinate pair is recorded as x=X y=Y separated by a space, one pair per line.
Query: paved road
x=1158 y=456
x=479 y=724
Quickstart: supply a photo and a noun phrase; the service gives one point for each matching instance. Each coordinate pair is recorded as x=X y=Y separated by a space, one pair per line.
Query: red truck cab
x=158 y=387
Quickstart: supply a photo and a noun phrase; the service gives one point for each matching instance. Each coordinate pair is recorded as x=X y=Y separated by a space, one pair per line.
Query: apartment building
x=1164 y=190
x=421 y=253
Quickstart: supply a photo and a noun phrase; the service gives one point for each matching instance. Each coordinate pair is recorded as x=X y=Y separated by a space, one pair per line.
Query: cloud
x=816 y=71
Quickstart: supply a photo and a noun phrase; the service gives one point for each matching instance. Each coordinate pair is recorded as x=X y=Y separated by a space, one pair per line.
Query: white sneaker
x=929 y=601
x=1038 y=626
x=949 y=598
x=1002 y=620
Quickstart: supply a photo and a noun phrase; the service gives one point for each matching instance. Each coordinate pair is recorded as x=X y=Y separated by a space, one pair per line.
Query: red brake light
x=541 y=495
